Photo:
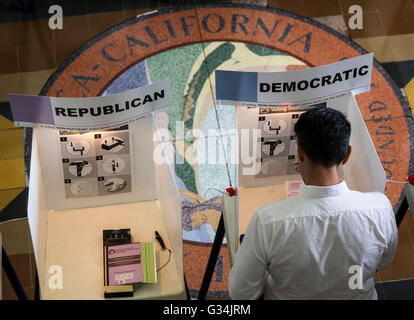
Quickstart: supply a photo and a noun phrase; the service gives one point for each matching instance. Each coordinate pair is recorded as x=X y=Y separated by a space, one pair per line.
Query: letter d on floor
x=56 y=278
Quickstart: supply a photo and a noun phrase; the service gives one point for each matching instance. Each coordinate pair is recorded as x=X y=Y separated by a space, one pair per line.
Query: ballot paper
x=131 y=263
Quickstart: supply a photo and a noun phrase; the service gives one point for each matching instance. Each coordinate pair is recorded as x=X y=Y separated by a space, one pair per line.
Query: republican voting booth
x=268 y=104
x=96 y=171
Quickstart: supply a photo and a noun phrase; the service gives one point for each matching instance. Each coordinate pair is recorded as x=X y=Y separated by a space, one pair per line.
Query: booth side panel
x=142 y=143
x=170 y=202
x=364 y=168
x=37 y=210
x=363 y=171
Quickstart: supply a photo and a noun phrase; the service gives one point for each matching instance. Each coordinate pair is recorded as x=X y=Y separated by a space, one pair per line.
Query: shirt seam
x=319 y=213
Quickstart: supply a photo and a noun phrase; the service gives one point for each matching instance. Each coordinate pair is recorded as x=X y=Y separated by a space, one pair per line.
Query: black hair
x=323 y=134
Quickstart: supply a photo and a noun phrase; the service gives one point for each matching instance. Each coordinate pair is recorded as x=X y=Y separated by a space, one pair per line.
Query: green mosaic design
x=208 y=66
x=177 y=64
x=263 y=51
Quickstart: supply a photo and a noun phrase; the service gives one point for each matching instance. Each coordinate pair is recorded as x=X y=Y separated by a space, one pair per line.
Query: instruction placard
x=97 y=163
x=278 y=154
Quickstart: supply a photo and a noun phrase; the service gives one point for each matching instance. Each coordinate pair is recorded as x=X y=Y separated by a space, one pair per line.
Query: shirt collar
x=323 y=192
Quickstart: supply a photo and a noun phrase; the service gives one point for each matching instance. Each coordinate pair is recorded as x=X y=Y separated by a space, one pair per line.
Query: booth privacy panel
x=363 y=171
x=37 y=210
x=170 y=203
x=168 y=195
x=72 y=238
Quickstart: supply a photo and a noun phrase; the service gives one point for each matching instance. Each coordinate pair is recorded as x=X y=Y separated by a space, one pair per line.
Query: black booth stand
x=402 y=210
x=11 y=274
x=212 y=260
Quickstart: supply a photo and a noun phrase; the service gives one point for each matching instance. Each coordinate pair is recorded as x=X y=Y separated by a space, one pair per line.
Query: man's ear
x=348 y=153
x=301 y=153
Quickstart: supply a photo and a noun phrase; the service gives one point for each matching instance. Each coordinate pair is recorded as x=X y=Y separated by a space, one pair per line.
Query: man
x=326 y=243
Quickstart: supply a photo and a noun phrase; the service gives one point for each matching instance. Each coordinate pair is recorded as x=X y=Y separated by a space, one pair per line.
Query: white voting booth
x=84 y=183
x=270 y=104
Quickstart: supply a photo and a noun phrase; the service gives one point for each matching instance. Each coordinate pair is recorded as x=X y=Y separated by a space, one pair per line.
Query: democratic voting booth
x=93 y=168
x=268 y=104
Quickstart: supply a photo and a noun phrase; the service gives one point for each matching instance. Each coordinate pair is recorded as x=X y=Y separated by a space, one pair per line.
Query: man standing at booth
x=327 y=242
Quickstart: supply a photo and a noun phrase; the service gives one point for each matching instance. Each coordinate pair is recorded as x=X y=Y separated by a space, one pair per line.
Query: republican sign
x=89 y=113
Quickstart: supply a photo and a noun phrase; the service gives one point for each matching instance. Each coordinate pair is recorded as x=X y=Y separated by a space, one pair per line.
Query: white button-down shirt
x=325 y=243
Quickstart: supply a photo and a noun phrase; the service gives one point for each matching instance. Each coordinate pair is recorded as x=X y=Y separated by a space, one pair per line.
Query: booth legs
x=399 y=216
x=11 y=274
x=37 y=287
x=212 y=260
x=187 y=292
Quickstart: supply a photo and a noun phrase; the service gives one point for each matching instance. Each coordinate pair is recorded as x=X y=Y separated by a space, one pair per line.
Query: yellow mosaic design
x=409 y=91
x=12 y=179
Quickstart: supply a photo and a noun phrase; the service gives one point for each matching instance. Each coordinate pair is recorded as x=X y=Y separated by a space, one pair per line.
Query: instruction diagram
x=96 y=163
x=278 y=154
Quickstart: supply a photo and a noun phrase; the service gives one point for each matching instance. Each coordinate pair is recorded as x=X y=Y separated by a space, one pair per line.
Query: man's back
x=315 y=245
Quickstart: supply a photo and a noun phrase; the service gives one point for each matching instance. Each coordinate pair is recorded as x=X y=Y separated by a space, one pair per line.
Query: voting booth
x=88 y=175
x=268 y=104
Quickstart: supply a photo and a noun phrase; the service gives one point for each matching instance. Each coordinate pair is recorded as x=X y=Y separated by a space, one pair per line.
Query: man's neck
x=321 y=176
